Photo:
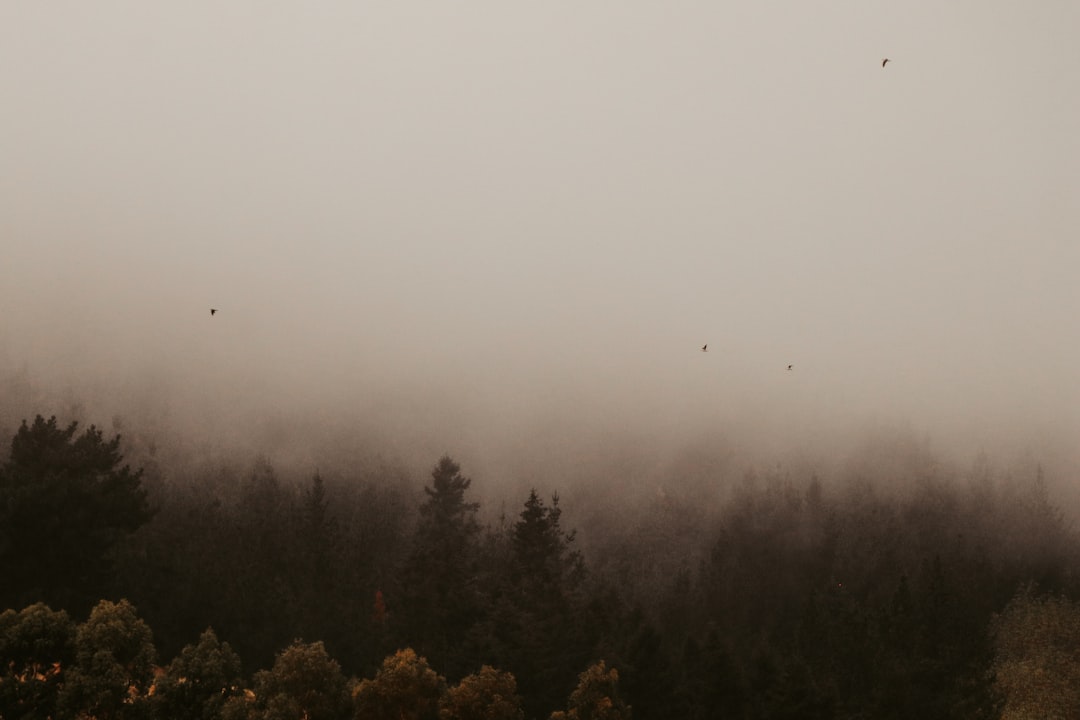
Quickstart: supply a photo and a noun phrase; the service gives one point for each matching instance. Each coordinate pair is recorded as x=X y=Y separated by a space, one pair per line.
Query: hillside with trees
x=235 y=593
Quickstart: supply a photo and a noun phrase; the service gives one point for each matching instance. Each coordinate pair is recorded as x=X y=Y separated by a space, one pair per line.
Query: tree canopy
x=65 y=502
x=776 y=597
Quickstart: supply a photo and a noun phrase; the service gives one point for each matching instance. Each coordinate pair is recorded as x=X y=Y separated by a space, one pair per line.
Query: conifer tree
x=441 y=594
x=65 y=502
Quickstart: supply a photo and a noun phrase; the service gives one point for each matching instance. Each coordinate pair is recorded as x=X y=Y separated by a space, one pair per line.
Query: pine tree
x=441 y=594
x=65 y=503
x=544 y=634
x=544 y=563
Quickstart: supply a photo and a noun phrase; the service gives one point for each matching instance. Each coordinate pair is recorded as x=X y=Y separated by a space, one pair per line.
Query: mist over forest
x=565 y=361
x=310 y=559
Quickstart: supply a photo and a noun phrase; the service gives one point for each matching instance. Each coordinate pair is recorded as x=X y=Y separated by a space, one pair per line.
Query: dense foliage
x=65 y=503
x=933 y=595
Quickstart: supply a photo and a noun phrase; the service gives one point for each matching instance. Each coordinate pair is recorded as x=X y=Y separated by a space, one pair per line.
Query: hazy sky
x=469 y=221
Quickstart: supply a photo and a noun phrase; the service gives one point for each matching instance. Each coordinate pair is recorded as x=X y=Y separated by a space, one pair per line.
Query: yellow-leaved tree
x=596 y=697
x=404 y=688
x=1037 y=657
x=486 y=695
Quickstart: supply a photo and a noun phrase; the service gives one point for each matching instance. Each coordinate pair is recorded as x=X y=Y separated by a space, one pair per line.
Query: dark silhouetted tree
x=441 y=594
x=65 y=502
x=544 y=562
x=318 y=571
x=543 y=633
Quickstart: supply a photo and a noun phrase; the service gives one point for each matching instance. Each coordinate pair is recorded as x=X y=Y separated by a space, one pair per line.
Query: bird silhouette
x=790 y=366
x=213 y=311
x=705 y=347
x=884 y=61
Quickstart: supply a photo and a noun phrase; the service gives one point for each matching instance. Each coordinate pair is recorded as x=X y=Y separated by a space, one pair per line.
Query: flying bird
x=790 y=366
x=212 y=311
x=705 y=347
x=884 y=61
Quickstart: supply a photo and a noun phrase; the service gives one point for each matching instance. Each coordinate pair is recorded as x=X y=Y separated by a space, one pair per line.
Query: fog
x=505 y=231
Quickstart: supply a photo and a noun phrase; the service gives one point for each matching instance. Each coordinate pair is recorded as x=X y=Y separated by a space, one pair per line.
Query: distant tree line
x=950 y=597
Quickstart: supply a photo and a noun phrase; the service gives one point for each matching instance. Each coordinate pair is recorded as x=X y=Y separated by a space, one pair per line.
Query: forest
x=228 y=591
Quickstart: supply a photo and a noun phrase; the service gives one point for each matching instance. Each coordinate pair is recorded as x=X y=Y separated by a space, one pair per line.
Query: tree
x=404 y=688
x=543 y=631
x=65 y=502
x=37 y=646
x=1037 y=657
x=487 y=695
x=596 y=697
x=543 y=560
x=318 y=531
x=317 y=543
x=629 y=640
x=712 y=683
x=199 y=681
x=441 y=597
x=114 y=665
x=257 y=549
x=304 y=684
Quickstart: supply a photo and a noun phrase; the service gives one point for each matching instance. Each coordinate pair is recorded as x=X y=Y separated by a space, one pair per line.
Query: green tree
x=197 y=683
x=441 y=594
x=542 y=630
x=114 y=665
x=404 y=688
x=258 y=594
x=37 y=646
x=304 y=684
x=712 y=683
x=596 y=697
x=544 y=560
x=486 y=695
x=318 y=531
x=1037 y=657
x=65 y=502
x=317 y=544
